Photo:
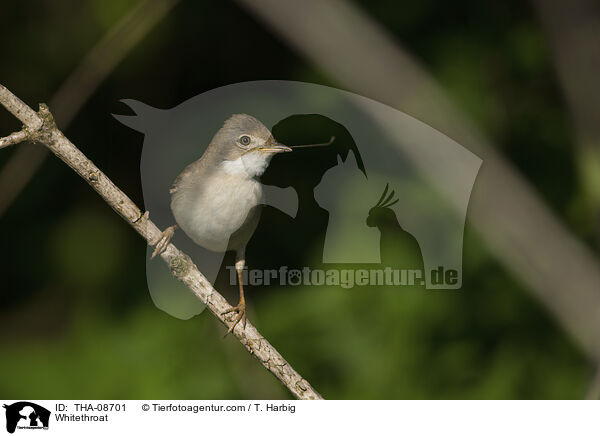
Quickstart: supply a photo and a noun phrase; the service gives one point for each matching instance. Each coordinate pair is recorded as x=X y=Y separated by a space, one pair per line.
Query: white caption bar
x=297 y=417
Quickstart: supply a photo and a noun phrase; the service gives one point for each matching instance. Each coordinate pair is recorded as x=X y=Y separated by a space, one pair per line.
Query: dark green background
x=76 y=319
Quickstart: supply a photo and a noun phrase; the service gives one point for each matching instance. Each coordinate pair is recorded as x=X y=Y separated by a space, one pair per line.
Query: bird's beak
x=275 y=147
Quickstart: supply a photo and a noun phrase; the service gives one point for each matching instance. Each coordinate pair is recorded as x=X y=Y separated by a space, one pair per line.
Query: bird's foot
x=240 y=309
x=164 y=240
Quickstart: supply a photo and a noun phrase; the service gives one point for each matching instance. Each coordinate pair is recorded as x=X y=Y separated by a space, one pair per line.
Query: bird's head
x=245 y=145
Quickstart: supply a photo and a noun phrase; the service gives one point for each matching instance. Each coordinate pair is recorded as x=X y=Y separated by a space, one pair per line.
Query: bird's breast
x=211 y=212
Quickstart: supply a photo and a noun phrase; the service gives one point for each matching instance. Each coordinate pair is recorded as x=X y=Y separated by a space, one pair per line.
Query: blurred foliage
x=76 y=317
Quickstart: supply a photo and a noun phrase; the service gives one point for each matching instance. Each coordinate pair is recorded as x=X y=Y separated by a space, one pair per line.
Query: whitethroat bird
x=216 y=199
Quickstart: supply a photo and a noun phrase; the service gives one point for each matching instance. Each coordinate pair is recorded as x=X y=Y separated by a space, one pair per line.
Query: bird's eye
x=245 y=140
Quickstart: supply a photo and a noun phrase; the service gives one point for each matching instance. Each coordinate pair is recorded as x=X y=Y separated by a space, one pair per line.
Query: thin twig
x=14 y=138
x=44 y=130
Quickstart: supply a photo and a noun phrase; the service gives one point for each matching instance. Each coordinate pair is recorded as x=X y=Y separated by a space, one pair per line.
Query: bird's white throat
x=251 y=164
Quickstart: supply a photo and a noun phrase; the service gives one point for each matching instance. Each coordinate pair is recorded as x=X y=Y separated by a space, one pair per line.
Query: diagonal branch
x=41 y=128
x=14 y=138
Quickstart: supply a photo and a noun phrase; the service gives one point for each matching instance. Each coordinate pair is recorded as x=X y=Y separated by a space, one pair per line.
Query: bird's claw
x=163 y=242
x=241 y=316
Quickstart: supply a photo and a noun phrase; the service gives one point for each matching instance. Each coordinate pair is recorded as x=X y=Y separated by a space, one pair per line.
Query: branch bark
x=40 y=127
x=14 y=138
